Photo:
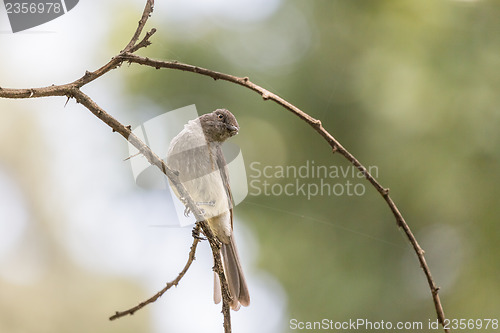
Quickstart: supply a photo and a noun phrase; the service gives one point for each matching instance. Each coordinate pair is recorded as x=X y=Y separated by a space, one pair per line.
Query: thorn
x=334 y=149
x=132 y=156
x=67 y=101
x=129 y=127
x=32 y=92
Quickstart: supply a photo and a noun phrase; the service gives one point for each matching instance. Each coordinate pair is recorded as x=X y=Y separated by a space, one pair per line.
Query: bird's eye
x=221 y=116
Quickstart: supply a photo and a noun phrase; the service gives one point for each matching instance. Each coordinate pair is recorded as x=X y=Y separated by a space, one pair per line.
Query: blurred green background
x=408 y=87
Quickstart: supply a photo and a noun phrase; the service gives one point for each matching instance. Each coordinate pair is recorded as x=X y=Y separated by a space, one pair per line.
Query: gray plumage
x=197 y=155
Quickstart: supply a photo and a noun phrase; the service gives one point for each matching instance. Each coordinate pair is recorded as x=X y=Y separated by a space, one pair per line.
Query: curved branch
x=335 y=145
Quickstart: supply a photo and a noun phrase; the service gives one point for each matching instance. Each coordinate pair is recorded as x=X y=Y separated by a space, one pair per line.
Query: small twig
x=132 y=156
x=142 y=22
x=144 y=42
x=175 y=282
x=217 y=268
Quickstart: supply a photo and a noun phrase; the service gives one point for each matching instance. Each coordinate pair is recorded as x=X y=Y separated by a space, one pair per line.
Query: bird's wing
x=224 y=173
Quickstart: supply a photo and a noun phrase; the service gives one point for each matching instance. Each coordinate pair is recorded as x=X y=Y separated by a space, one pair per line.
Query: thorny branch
x=335 y=145
x=72 y=90
x=175 y=282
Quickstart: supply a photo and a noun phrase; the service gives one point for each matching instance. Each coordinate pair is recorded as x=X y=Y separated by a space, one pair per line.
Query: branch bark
x=72 y=90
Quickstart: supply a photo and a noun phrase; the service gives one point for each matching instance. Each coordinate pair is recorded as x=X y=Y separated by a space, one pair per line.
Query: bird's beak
x=232 y=129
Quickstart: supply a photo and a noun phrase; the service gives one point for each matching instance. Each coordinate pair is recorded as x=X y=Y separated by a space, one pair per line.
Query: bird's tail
x=234 y=276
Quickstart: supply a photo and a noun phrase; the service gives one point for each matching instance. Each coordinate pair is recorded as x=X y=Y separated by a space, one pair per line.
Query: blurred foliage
x=407 y=86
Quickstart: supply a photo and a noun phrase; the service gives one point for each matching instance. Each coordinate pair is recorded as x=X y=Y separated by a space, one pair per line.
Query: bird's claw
x=197 y=236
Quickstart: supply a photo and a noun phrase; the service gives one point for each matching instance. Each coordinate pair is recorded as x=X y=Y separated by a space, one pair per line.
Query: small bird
x=196 y=154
